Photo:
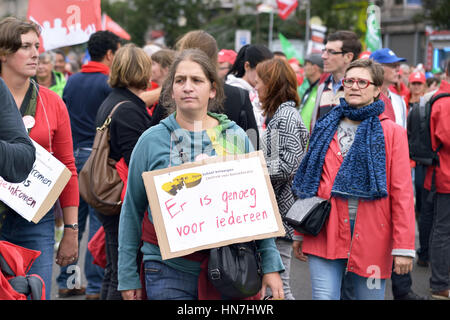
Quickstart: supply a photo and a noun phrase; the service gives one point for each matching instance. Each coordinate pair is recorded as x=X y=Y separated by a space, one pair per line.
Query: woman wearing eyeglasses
x=359 y=159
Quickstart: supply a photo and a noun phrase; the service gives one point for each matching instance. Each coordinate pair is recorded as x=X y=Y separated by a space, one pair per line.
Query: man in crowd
x=313 y=72
x=401 y=284
x=440 y=233
x=391 y=66
x=83 y=95
x=341 y=48
x=60 y=63
x=226 y=59
x=47 y=76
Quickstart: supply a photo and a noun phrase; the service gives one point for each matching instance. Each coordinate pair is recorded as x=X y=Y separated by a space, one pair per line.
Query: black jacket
x=17 y=152
x=128 y=122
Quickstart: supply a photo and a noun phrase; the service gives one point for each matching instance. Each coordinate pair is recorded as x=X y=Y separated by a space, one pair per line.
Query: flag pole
x=270 y=29
x=308 y=14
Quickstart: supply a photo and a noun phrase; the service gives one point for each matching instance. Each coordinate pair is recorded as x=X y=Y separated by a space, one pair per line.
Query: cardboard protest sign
x=36 y=195
x=212 y=203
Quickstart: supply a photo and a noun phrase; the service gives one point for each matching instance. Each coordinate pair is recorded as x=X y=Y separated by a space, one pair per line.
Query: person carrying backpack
x=417 y=146
x=401 y=284
x=440 y=232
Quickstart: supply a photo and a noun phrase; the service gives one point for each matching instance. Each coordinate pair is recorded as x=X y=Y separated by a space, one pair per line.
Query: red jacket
x=16 y=262
x=381 y=225
x=440 y=133
x=403 y=92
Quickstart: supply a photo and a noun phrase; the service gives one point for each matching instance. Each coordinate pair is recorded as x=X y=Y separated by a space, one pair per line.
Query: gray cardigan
x=17 y=153
x=284 y=144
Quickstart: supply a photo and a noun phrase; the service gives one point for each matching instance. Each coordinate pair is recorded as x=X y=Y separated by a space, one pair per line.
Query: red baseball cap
x=417 y=77
x=227 y=56
x=364 y=55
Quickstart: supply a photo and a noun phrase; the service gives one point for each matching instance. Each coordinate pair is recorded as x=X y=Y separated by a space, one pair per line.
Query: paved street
x=300 y=283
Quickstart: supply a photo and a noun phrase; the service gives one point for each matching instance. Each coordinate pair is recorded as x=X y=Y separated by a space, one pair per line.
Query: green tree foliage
x=224 y=25
x=139 y=16
x=438 y=13
x=341 y=14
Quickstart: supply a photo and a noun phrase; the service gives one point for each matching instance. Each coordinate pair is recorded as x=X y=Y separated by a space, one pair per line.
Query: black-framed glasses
x=361 y=83
x=333 y=52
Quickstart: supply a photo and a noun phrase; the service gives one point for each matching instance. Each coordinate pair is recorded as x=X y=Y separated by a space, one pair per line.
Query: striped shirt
x=284 y=145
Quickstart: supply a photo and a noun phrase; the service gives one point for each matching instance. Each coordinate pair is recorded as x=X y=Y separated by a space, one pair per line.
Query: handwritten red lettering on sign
x=239 y=195
x=190 y=229
x=240 y=218
x=206 y=200
x=173 y=209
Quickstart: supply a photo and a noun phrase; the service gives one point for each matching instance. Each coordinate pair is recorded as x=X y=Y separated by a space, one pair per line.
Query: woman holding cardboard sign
x=47 y=120
x=284 y=142
x=192 y=87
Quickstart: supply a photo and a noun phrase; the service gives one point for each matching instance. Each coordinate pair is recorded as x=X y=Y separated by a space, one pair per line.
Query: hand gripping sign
x=212 y=203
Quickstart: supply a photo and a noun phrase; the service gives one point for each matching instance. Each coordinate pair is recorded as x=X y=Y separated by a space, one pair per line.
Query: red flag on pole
x=65 y=22
x=285 y=7
x=110 y=25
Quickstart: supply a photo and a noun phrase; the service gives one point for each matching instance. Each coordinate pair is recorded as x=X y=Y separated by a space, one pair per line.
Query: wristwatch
x=72 y=226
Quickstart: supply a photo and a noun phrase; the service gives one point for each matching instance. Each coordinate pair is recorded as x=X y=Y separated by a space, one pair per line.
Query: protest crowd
x=334 y=128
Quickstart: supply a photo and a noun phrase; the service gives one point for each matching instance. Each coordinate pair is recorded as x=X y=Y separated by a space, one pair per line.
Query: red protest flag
x=285 y=7
x=110 y=25
x=65 y=22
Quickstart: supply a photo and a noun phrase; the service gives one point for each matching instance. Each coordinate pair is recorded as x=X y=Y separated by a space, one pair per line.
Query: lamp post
x=266 y=8
x=308 y=16
x=270 y=30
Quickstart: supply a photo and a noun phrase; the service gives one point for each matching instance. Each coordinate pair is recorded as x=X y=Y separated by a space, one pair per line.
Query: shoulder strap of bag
x=94 y=153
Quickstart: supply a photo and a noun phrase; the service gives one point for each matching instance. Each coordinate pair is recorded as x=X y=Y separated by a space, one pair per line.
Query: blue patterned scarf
x=363 y=171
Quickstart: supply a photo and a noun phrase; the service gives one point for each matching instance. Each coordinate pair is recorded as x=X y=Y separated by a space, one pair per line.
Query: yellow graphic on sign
x=189 y=180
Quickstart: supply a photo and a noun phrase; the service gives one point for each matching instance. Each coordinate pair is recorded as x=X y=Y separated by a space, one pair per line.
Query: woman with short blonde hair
x=130 y=76
x=130 y=68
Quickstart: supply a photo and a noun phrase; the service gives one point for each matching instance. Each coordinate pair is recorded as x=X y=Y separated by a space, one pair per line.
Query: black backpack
x=418 y=128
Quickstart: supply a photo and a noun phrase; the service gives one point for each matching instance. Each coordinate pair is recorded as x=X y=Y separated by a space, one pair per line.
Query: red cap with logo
x=227 y=56
x=417 y=77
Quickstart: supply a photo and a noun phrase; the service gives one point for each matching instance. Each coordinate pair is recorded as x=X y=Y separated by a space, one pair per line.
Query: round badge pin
x=29 y=122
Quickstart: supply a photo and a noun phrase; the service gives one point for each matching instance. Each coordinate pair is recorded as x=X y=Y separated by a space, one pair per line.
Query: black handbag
x=235 y=270
x=309 y=215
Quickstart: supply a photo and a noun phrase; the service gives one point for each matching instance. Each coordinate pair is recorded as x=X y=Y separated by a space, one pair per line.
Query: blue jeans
x=165 y=283
x=326 y=280
x=94 y=274
x=40 y=237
